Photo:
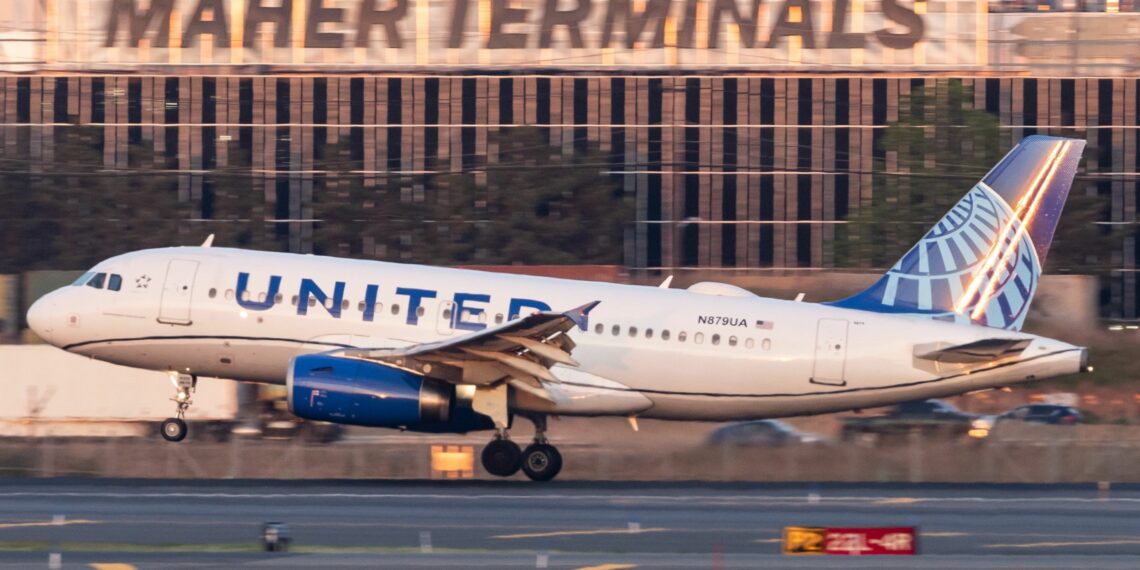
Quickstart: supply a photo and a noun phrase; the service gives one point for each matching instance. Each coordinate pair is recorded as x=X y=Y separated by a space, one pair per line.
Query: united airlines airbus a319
x=449 y=350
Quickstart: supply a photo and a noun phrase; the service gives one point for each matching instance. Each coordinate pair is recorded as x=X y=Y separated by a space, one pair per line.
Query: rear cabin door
x=830 y=352
x=174 y=308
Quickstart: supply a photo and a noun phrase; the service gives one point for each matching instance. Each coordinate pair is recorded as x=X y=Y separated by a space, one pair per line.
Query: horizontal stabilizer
x=985 y=350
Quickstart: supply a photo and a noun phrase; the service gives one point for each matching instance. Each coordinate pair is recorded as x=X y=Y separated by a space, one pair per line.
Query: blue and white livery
x=449 y=350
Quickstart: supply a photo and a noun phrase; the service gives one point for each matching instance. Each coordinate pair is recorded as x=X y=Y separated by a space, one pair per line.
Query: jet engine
x=360 y=392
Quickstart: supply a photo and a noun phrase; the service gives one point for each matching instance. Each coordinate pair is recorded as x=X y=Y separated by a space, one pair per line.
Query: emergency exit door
x=174 y=308
x=830 y=352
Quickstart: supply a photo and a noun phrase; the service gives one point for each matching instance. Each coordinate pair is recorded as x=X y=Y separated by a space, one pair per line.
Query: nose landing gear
x=540 y=461
x=174 y=429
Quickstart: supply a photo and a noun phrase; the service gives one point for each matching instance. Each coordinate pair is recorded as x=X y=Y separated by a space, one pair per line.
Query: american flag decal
x=766 y=325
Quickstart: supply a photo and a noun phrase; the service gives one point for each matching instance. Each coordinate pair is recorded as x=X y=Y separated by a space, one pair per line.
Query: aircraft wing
x=985 y=350
x=520 y=352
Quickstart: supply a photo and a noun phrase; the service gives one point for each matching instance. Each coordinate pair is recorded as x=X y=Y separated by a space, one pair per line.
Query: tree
x=943 y=147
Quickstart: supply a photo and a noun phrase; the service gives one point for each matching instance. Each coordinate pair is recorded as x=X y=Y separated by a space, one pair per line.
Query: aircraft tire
x=502 y=457
x=541 y=462
x=173 y=429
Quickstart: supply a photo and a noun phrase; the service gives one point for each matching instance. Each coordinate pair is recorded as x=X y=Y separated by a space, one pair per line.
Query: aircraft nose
x=41 y=317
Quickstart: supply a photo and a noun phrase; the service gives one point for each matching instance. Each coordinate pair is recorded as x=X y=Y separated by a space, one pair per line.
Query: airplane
x=435 y=349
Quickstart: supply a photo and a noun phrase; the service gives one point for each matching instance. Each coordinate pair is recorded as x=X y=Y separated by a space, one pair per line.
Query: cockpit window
x=97 y=280
x=83 y=279
x=115 y=282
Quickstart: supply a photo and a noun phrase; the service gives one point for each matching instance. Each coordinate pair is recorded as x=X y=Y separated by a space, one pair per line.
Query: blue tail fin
x=981 y=262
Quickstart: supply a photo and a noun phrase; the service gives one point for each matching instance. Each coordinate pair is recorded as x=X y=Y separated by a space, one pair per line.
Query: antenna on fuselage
x=209 y=241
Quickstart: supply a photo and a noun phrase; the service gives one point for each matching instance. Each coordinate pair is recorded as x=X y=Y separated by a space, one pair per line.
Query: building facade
x=747 y=133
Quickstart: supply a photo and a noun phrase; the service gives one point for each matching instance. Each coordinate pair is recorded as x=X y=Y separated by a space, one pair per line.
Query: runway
x=516 y=524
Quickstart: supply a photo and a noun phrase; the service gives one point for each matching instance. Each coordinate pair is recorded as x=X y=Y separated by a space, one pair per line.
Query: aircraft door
x=444 y=323
x=830 y=352
x=177 y=289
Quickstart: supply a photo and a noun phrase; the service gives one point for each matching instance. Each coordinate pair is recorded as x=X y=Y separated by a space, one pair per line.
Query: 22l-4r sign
x=851 y=541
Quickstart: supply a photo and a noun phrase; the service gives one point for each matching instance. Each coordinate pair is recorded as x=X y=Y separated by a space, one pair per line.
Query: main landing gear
x=540 y=461
x=174 y=429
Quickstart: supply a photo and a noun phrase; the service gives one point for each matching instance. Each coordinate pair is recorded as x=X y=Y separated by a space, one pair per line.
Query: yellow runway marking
x=609 y=567
x=898 y=501
x=581 y=532
x=1064 y=544
x=46 y=523
x=111 y=566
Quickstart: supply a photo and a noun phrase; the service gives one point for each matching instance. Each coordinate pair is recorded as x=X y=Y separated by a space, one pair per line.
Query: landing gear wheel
x=174 y=429
x=502 y=457
x=541 y=462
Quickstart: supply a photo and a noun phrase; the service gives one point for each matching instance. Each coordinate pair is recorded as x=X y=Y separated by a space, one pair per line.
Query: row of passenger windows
x=682 y=336
x=112 y=282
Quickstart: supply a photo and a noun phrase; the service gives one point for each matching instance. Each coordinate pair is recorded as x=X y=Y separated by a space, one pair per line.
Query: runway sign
x=850 y=541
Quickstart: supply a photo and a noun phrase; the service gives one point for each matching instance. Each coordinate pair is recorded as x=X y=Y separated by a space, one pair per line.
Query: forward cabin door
x=177 y=289
x=830 y=352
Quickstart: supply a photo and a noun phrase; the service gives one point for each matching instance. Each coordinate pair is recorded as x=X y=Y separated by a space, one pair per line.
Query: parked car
x=931 y=418
x=769 y=433
x=1043 y=414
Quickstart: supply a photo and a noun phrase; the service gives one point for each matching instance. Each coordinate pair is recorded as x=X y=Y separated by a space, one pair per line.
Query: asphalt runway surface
x=517 y=524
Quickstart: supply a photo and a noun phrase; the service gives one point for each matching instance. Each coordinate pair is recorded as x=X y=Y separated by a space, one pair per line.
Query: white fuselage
x=714 y=353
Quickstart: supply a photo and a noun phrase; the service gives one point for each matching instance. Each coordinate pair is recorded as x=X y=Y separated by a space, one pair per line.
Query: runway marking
x=111 y=566
x=1064 y=544
x=608 y=567
x=943 y=534
x=769 y=540
x=580 y=532
x=46 y=523
x=899 y=501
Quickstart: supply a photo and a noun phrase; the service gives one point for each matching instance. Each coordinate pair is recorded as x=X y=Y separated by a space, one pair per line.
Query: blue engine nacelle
x=361 y=392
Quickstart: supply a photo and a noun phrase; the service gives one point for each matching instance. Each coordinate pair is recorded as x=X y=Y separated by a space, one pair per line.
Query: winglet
x=581 y=314
x=209 y=241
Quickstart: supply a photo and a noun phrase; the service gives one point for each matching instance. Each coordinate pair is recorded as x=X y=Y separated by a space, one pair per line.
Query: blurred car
x=768 y=433
x=932 y=418
x=1055 y=414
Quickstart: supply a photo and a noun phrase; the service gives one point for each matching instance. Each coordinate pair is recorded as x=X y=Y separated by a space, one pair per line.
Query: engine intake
x=365 y=393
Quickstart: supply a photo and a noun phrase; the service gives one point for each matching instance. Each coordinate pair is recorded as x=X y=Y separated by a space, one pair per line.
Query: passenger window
x=749 y=343
x=617 y=330
x=420 y=311
x=395 y=309
x=446 y=314
x=115 y=283
x=699 y=338
x=213 y=292
x=665 y=334
x=360 y=306
x=277 y=298
x=498 y=318
x=766 y=344
x=96 y=280
x=329 y=303
x=716 y=339
x=598 y=328
x=294 y=300
x=632 y=331
x=261 y=297
x=681 y=336
x=648 y=333
x=344 y=305
x=731 y=341
x=230 y=295
x=245 y=295
x=312 y=301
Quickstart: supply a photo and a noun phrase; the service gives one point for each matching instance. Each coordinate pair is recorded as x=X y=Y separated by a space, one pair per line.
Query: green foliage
x=537 y=206
x=69 y=212
x=939 y=147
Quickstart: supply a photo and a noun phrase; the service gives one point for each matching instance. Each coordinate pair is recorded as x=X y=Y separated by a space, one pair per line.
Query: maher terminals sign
x=695 y=34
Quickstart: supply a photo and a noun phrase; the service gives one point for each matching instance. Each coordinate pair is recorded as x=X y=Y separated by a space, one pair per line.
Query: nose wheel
x=540 y=461
x=174 y=429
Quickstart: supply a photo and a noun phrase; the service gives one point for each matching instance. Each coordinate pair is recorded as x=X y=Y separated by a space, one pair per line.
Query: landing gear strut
x=540 y=461
x=174 y=429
